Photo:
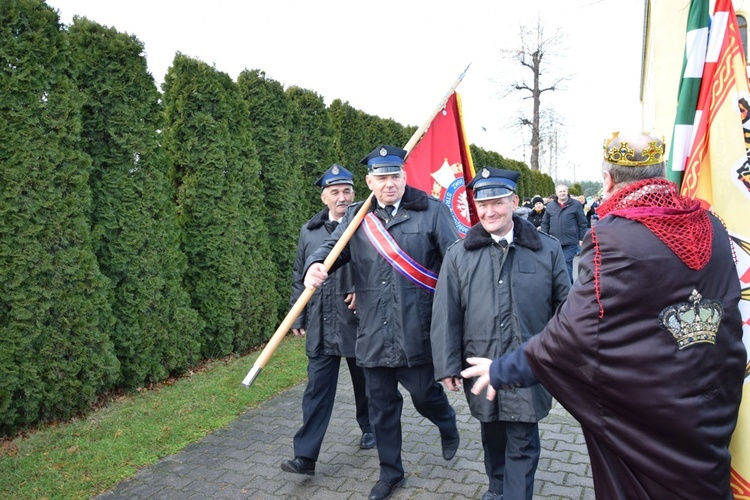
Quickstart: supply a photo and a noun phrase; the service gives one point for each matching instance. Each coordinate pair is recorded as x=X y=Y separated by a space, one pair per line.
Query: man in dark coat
x=329 y=323
x=497 y=288
x=564 y=219
x=651 y=368
x=395 y=255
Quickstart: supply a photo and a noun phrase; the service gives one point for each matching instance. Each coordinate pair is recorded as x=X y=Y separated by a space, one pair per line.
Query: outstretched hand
x=480 y=370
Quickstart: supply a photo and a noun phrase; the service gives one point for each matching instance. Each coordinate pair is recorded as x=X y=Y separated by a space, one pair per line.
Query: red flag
x=440 y=164
x=718 y=173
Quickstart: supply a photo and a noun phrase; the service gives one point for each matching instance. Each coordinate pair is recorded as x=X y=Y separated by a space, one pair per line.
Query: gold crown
x=625 y=156
x=693 y=322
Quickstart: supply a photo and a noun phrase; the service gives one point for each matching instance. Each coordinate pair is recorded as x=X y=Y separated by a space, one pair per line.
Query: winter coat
x=486 y=306
x=536 y=218
x=567 y=223
x=394 y=313
x=331 y=326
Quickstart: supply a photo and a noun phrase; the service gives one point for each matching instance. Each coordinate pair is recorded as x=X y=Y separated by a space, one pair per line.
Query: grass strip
x=86 y=456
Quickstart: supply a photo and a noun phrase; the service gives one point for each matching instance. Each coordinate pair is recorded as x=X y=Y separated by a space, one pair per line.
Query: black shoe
x=450 y=445
x=383 y=490
x=367 y=441
x=299 y=466
x=491 y=496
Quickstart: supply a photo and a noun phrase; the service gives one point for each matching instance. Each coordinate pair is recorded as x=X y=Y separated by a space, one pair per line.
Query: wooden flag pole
x=304 y=298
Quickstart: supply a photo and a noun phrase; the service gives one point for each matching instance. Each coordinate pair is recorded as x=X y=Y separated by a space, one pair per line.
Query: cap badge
x=485 y=173
x=335 y=170
x=383 y=152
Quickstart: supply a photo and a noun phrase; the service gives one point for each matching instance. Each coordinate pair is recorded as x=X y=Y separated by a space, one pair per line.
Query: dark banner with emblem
x=440 y=164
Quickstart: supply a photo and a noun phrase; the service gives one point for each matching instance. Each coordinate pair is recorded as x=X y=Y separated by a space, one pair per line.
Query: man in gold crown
x=646 y=352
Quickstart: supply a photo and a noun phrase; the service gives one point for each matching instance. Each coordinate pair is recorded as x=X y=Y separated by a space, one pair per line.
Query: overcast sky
x=396 y=58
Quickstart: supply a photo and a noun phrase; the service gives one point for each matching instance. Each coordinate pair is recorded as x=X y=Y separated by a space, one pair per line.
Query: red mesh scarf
x=678 y=221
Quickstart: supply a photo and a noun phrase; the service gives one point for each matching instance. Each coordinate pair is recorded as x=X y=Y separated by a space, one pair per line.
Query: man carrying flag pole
x=394 y=257
x=717 y=166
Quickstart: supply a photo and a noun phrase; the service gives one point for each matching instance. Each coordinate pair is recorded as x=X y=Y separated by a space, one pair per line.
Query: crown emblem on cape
x=626 y=156
x=693 y=322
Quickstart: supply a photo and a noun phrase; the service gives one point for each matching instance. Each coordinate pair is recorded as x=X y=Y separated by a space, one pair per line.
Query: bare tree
x=551 y=141
x=534 y=54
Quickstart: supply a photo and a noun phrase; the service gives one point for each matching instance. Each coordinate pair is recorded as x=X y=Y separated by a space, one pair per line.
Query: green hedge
x=144 y=231
x=135 y=234
x=55 y=314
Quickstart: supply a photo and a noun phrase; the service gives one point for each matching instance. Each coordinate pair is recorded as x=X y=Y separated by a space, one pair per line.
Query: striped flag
x=440 y=164
x=717 y=171
x=696 y=40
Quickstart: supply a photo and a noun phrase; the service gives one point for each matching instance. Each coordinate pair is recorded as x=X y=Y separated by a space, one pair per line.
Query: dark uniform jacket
x=394 y=313
x=331 y=326
x=657 y=419
x=567 y=223
x=486 y=307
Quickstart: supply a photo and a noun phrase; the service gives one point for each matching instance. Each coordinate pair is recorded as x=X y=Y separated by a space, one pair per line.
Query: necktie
x=503 y=244
x=388 y=212
x=331 y=225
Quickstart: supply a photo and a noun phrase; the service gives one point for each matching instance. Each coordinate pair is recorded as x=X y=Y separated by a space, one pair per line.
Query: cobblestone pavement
x=241 y=460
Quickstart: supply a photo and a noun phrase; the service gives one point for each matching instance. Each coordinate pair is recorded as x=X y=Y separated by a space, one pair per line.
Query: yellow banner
x=718 y=173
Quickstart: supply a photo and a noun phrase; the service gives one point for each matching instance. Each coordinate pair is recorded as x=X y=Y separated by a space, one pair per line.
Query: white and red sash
x=387 y=247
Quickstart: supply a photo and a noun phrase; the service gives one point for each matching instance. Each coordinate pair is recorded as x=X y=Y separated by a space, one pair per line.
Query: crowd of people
x=652 y=370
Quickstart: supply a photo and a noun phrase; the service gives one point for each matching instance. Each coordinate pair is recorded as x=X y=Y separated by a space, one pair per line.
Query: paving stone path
x=241 y=460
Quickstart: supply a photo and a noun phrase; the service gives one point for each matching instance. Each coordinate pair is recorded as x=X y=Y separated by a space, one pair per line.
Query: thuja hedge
x=221 y=206
x=56 y=316
x=144 y=230
x=134 y=226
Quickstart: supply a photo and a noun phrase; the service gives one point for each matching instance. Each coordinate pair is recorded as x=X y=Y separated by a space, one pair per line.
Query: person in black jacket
x=395 y=255
x=536 y=216
x=329 y=323
x=564 y=219
x=591 y=214
x=497 y=288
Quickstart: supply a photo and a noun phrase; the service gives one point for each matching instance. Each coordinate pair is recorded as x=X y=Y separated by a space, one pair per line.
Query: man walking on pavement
x=395 y=255
x=497 y=288
x=564 y=219
x=329 y=323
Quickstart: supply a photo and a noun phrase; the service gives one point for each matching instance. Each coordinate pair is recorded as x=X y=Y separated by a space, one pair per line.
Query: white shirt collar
x=395 y=206
x=508 y=237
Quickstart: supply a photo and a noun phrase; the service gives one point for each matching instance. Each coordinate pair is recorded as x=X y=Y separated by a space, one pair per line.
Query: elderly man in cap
x=498 y=287
x=329 y=323
x=651 y=368
x=395 y=255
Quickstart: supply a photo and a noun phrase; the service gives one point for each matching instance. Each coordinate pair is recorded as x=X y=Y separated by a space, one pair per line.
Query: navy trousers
x=318 y=399
x=386 y=404
x=511 y=456
x=570 y=252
